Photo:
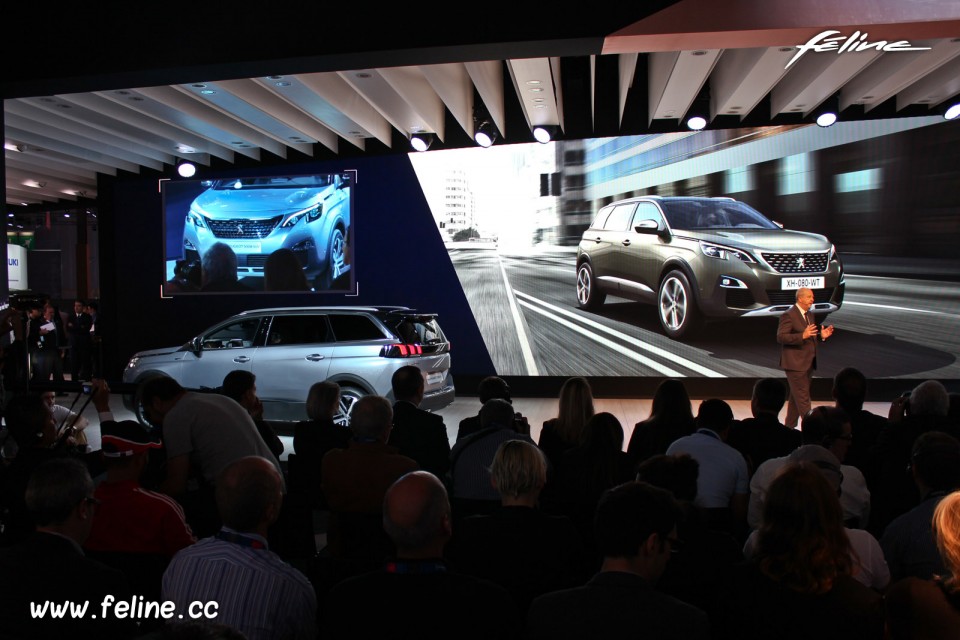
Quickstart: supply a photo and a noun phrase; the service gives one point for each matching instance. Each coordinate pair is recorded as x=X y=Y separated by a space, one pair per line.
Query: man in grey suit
x=798 y=334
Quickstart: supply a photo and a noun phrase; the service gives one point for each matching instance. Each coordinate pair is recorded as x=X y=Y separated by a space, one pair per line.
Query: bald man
x=798 y=334
x=415 y=595
x=255 y=591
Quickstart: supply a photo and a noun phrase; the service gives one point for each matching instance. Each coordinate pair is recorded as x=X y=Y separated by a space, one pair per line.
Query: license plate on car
x=434 y=378
x=244 y=246
x=787 y=284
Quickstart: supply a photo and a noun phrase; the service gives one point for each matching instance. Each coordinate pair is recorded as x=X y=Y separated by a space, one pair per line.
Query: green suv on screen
x=702 y=259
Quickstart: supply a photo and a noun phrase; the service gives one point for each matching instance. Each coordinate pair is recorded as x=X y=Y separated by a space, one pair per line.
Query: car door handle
x=597 y=239
x=241 y=359
x=625 y=242
x=314 y=357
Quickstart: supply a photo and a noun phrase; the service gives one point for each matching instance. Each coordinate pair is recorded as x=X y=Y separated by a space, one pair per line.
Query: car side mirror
x=651 y=227
x=196 y=345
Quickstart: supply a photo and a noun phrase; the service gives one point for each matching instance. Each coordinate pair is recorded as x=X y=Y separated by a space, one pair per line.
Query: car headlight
x=722 y=253
x=133 y=362
x=196 y=219
x=833 y=252
x=311 y=214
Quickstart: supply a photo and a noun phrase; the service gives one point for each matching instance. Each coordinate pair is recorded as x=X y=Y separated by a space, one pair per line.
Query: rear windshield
x=713 y=214
x=417 y=329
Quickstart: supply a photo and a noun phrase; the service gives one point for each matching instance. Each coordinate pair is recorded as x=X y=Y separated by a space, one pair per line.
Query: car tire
x=348 y=398
x=138 y=401
x=589 y=296
x=677 y=306
x=335 y=254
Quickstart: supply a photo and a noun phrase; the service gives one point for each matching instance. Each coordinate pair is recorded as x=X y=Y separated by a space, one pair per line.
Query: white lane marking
x=890 y=306
x=525 y=349
x=663 y=353
x=633 y=355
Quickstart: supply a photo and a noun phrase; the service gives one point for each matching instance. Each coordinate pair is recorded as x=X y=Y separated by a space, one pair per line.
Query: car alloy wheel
x=348 y=398
x=588 y=296
x=678 y=309
x=337 y=257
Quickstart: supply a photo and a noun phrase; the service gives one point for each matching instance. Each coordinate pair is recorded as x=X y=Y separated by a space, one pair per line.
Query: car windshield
x=274 y=182
x=713 y=214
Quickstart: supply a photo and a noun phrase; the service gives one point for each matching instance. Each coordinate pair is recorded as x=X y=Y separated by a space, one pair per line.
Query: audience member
x=722 y=486
x=869 y=566
x=241 y=386
x=219 y=269
x=924 y=409
x=49 y=566
x=490 y=388
x=254 y=590
x=517 y=546
x=849 y=392
x=763 y=436
x=471 y=458
x=827 y=428
x=799 y=584
x=908 y=543
x=314 y=438
x=416 y=595
x=566 y=430
x=417 y=434
x=202 y=434
x=698 y=567
x=636 y=532
x=78 y=328
x=930 y=609
x=587 y=470
x=355 y=479
x=282 y=271
x=671 y=418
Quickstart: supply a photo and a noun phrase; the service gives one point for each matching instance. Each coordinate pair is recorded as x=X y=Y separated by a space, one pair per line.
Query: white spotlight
x=186 y=169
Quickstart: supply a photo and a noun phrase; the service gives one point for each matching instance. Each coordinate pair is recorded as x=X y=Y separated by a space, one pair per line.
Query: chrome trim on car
x=627 y=283
x=776 y=310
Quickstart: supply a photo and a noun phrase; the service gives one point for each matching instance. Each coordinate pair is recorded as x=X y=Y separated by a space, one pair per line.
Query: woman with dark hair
x=313 y=438
x=566 y=430
x=585 y=471
x=671 y=417
x=282 y=271
x=799 y=583
x=930 y=609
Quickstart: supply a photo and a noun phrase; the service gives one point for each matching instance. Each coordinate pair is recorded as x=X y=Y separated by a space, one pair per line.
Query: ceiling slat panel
x=86 y=156
x=452 y=83
x=414 y=88
x=50 y=166
x=675 y=80
x=336 y=92
x=742 y=77
x=536 y=89
x=813 y=79
x=932 y=89
x=488 y=79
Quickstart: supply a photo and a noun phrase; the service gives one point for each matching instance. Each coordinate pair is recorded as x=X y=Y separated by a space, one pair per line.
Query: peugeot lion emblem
x=800 y=264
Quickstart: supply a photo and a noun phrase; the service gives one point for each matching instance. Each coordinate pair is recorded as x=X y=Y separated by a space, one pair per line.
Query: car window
x=714 y=214
x=299 y=329
x=235 y=335
x=620 y=217
x=350 y=327
x=419 y=330
x=601 y=218
x=646 y=211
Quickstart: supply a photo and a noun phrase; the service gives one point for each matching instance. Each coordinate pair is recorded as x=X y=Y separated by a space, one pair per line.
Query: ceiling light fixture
x=485 y=134
x=827 y=113
x=421 y=141
x=952 y=111
x=186 y=169
x=544 y=133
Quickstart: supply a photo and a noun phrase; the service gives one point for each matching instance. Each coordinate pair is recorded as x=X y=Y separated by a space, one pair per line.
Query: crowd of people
x=696 y=526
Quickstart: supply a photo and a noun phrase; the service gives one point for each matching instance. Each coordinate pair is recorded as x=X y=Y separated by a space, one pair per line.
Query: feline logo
x=827 y=41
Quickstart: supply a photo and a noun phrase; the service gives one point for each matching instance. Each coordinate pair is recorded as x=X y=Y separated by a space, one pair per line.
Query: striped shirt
x=256 y=592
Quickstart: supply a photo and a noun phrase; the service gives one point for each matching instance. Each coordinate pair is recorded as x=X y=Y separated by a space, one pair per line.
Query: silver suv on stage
x=290 y=349
x=702 y=258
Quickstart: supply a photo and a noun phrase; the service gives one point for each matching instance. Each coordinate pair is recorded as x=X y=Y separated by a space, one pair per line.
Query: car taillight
x=401 y=350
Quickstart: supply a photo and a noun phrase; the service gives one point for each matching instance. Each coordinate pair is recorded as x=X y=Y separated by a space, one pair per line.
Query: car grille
x=739 y=298
x=791 y=262
x=778 y=297
x=243 y=228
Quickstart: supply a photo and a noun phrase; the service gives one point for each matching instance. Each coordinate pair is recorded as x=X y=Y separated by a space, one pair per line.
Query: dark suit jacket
x=796 y=354
x=421 y=435
x=49 y=567
x=614 y=605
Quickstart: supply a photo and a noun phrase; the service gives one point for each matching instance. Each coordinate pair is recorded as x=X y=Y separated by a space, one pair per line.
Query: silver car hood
x=151 y=353
x=266 y=202
x=777 y=240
